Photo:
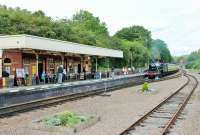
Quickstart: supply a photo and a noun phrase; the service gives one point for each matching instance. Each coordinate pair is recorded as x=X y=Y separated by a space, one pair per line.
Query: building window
x=51 y=65
x=7 y=61
x=6 y=67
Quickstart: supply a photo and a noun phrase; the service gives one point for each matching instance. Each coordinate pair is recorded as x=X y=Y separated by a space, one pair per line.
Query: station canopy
x=47 y=44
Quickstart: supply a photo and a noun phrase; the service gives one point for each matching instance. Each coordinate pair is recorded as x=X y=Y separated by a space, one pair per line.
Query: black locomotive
x=156 y=69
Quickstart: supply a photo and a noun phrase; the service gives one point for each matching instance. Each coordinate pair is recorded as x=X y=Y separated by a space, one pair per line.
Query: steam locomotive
x=156 y=69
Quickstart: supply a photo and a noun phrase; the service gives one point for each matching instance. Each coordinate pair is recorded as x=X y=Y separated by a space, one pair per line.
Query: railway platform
x=72 y=83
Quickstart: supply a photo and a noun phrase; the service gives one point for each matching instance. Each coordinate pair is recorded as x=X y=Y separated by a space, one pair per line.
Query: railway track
x=160 y=119
x=27 y=106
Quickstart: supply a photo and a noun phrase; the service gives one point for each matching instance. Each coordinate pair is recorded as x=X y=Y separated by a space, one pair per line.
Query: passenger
x=47 y=78
x=15 y=81
x=43 y=76
x=60 y=74
x=26 y=78
x=112 y=72
x=64 y=75
x=123 y=71
x=100 y=74
x=37 y=79
x=11 y=81
x=34 y=80
x=84 y=72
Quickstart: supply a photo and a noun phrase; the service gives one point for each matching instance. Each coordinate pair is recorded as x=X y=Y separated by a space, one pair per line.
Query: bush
x=53 y=121
x=64 y=119
x=145 y=87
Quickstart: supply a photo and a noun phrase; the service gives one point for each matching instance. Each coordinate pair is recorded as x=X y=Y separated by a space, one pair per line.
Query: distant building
x=27 y=55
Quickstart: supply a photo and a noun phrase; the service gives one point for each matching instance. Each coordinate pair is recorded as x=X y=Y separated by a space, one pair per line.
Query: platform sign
x=20 y=72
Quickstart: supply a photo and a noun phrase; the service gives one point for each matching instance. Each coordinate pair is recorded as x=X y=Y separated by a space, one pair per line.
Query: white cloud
x=177 y=22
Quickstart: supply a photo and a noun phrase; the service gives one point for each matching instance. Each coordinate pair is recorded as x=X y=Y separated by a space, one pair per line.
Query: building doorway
x=40 y=70
x=6 y=67
x=79 y=68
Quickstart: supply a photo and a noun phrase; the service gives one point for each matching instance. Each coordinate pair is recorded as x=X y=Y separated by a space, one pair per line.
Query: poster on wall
x=34 y=70
x=20 y=72
x=7 y=69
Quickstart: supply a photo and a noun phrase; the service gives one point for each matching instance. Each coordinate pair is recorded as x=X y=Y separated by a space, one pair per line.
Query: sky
x=177 y=22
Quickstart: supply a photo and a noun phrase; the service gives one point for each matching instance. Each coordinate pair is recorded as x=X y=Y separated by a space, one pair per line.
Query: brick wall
x=16 y=59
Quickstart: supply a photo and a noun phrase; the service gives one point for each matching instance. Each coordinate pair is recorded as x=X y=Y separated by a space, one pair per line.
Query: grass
x=66 y=119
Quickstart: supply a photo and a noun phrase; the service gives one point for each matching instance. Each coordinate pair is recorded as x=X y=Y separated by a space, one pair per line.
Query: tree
x=83 y=28
x=135 y=33
x=89 y=29
x=193 y=60
x=135 y=43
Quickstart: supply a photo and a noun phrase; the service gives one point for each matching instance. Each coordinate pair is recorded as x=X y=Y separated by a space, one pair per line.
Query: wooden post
x=62 y=60
x=108 y=63
x=37 y=59
x=96 y=63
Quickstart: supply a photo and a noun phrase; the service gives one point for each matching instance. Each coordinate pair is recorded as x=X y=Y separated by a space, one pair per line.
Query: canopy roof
x=47 y=44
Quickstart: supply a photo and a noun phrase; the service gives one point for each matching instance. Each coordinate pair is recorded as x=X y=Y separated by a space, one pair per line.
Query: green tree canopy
x=83 y=28
x=89 y=29
x=135 y=33
x=193 y=60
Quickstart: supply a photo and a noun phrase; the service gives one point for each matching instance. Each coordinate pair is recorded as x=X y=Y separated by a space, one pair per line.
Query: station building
x=28 y=56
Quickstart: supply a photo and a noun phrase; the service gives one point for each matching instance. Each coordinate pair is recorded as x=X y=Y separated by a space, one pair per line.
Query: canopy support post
x=37 y=62
x=96 y=63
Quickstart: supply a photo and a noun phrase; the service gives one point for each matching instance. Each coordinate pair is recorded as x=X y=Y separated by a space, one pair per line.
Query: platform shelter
x=23 y=57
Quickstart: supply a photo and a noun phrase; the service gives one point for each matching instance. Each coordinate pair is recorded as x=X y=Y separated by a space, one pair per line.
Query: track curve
x=158 y=120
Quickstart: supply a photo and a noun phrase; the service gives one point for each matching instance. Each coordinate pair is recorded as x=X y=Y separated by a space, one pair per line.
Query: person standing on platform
x=84 y=72
x=43 y=76
x=60 y=74
x=64 y=75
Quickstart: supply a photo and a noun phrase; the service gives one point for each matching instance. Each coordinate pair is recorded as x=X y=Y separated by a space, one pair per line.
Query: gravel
x=118 y=110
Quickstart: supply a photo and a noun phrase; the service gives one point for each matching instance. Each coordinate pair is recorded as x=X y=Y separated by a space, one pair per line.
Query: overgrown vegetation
x=135 y=41
x=66 y=119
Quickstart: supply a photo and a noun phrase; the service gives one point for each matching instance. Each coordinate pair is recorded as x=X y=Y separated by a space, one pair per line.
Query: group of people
x=59 y=77
x=125 y=70
x=53 y=78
